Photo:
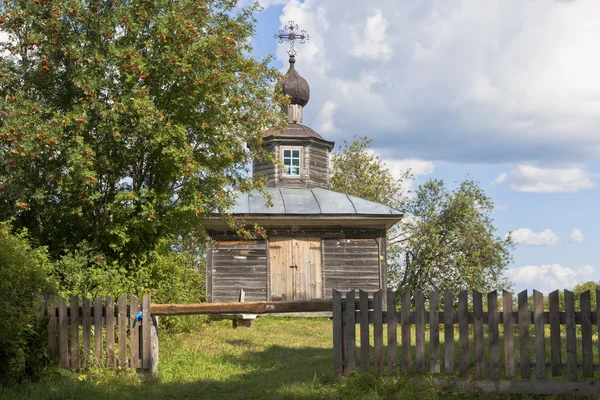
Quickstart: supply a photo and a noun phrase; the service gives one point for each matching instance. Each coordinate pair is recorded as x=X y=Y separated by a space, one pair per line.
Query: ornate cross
x=290 y=34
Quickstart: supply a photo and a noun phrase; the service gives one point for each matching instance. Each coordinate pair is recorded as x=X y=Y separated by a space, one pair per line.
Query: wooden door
x=295 y=264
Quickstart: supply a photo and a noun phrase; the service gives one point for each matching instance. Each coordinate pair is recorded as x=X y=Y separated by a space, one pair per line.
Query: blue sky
x=506 y=92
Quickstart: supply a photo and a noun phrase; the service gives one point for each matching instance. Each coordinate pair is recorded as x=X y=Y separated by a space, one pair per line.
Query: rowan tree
x=122 y=122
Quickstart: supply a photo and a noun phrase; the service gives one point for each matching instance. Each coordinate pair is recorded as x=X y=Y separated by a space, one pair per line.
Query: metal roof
x=315 y=201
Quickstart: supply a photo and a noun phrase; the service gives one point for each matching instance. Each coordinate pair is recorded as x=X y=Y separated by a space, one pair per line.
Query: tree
x=446 y=240
x=123 y=122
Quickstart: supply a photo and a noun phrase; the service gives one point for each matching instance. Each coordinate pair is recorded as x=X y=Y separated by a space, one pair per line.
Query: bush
x=23 y=283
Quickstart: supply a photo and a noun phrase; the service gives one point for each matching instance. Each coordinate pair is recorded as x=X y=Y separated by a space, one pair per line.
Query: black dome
x=295 y=86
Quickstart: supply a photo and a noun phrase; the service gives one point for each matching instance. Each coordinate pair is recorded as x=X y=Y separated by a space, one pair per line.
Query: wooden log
x=406 y=345
x=351 y=330
x=122 y=329
x=540 y=339
x=555 y=339
x=463 y=333
x=434 y=332
x=586 y=334
x=154 y=347
x=134 y=333
x=51 y=312
x=365 y=347
x=448 y=332
x=420 y=331
x=251 y=307
x=478 y=335
x=338 y=366
x=524 y=335
x=98 y=323
x=110 y=332
x=509 y=331
x=146 y=332
x=63 y=332
x=493 y=334
x=392 y=332
x=571 y=336
x=86 y=323
x=75 y=322
x=378 y=329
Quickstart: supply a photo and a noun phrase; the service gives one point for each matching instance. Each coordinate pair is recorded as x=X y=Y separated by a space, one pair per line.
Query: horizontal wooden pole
x=254 y=307
x=519 y=386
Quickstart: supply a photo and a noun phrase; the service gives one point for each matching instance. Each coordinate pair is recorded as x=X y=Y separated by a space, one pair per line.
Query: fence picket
x=571 y=336
x=98 y=323
x=586 y=334
x=478 y=334
x=351 y=330
x=392 y=333
x=63 y=332
x=378 y=329
x=540 y=340
x=463 y=333
x=365 y=347
x=110 y=332
x=493 y=333
x=337 y=334
x=51 y=311
x=406 y=345
x=448 y=332
x=524 y=319
x=122 y=329
x=509 y=331
x=134 y=333
x=75 y=322
x=555 y=339
x=434 y=332
x=86 y=321
x=420 y=331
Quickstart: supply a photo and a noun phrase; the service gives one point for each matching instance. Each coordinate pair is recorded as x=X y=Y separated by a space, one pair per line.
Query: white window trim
x=300 y=161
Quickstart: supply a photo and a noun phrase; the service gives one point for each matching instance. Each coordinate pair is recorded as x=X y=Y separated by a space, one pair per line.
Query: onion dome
x=295 y=86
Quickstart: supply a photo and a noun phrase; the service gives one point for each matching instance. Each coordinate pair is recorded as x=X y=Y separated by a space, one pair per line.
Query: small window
x=291 y=162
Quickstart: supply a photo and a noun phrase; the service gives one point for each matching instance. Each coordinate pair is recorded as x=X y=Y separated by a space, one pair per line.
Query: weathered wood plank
x=63 y=332
x=110 y=332
x=420 y=331
x=134 y=333
x=524 y=335
x=337 y=333
x=406 y=345
x=365 y=347
x=75 y=322
x=478 y=335
x=555 y=340
x=98 y=324
x=154 y=347
x=463 y=333
x=378 y=329
x=351 y=330
x=434 y=332
x=509 y=331
x=86 y=323
x=540 y=340
x=586 y=334
x=51 y=311
x=571 y=336
x=392 y=332
x=122 y=329
x=251 y=307
x=147 y=331
x=448 y=332
x=493 y=333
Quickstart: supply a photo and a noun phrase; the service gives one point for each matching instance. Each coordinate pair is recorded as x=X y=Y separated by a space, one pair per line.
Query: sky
x=506 y=92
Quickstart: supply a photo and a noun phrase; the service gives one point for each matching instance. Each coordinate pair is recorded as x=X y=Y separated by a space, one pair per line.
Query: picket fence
x=71 y=328
x=488 y=370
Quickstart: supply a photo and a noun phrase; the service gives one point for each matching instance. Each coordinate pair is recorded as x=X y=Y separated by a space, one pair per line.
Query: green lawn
x=278 y=358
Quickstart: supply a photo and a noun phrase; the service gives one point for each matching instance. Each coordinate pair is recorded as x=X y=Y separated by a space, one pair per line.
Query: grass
x=278 y=358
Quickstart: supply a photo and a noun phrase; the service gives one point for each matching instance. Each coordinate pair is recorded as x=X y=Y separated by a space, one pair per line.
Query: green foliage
x=124 y=122
x=23 y=282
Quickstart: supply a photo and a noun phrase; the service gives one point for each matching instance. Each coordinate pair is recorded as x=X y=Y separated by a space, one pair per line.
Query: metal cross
x=290 y=34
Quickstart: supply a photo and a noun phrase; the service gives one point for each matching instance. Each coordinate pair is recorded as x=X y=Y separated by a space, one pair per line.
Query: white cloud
x=547 y=278
x=526 y=236
x=417 y=167
x=501 y=207
x=462 y=80
x=576 y=236
x=528 y=178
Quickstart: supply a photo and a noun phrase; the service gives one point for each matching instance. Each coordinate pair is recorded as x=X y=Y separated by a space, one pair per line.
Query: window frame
x=287 y=168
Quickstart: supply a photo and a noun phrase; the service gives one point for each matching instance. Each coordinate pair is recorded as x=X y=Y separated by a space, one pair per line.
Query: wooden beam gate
x=486 y=370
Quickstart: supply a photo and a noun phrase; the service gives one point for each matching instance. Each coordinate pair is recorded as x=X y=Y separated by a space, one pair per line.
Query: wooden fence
x=71 y=329
x=486 y=370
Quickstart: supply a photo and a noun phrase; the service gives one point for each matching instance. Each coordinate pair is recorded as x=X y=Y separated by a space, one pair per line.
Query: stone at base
x=242 y=323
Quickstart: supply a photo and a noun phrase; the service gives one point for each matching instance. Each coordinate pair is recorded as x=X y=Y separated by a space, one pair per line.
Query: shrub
x=23 y=283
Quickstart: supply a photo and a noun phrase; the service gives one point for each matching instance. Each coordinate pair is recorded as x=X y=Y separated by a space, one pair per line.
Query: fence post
x=51 y=311
x=337 y=333
x=493 y=333
x=378 y=329
x=154 y=347
x=405 y=315
x=134 y=332
x=146 y=332
x=556 y=358
x=63 y=332
x=75 y=331
x=86 y=318
x=365 y=347
x=478 y=334
x=509 y=332
x=351 y=330
x=448 y=332
x=392 y=333
x=540 y=340
x=463 y=332
x=571 y=336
